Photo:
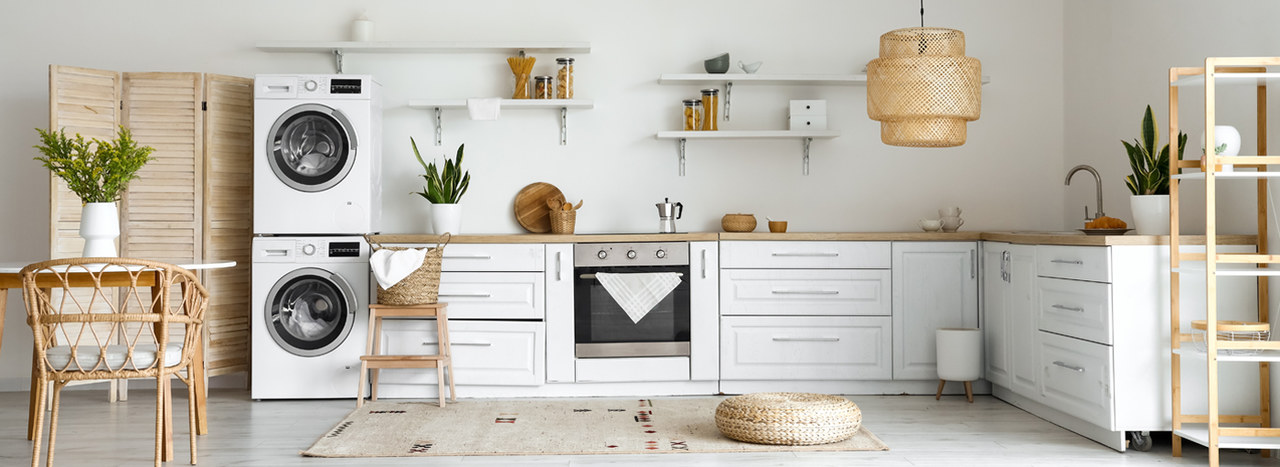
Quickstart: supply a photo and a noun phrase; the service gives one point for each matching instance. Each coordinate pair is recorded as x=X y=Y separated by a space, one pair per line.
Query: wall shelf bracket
x=439 y=132
x=564 y=126
x=337 y=59
x=728 y=93
x=682 y=143
x=807 y=142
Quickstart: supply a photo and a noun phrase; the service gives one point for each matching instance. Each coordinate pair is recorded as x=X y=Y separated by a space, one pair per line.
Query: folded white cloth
x=390 y=267
x=638 y=293
x=484 y=108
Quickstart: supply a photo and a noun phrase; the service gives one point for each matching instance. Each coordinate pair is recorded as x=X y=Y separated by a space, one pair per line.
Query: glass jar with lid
x=542 y=87
x=692 y=116
x=710 y=104
x=564 y=78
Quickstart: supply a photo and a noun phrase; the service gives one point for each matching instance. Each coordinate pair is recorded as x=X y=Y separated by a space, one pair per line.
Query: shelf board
x=1200 y=269
x=1235 y=174
x=506 y=103
x=1235 y=79
x=1223 y=356
x=425 y=47
x=749 y=134
x=1199 y=433
x=789 y=78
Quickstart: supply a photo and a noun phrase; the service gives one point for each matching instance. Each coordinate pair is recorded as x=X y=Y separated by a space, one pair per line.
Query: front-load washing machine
x=310 y=314
x=317 y=159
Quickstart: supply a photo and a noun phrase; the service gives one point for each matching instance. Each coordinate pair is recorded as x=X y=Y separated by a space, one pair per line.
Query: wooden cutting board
x=531 y=207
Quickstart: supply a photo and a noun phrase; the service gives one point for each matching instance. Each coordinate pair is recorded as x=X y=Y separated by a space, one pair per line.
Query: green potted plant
x=443 y=189
x=1149 y=182
x=98 y=172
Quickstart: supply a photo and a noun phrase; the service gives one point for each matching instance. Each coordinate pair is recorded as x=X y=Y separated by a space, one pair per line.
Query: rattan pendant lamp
x=922 y=89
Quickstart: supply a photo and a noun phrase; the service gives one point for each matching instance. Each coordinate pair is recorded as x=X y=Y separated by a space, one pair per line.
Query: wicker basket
x=1230 y=331
x=422 y=286
x=788 y=418
x=562 y=221
x=738 y=222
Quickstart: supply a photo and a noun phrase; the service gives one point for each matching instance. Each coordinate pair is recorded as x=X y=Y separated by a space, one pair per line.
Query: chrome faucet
x=1097 y=179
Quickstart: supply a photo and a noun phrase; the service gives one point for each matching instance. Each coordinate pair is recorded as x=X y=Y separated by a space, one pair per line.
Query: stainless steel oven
x=602 y=328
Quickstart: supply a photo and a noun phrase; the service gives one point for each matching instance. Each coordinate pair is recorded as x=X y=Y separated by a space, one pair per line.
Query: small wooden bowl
x=777 y=226
x=738 y=222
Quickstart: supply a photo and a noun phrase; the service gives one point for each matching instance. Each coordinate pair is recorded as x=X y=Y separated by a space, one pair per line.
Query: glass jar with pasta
x=542 y=87
x=692 y=115
x=710 y=104
x=564 y=78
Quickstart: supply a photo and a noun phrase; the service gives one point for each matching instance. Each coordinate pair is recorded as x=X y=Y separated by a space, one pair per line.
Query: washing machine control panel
x=308 y=249
x=344 y=249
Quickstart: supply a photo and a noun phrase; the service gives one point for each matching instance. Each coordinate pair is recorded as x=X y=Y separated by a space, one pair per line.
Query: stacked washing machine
x=316 y=192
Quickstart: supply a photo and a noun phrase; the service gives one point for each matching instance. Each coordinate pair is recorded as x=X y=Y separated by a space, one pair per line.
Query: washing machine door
x=310 y=311
x=311 y=147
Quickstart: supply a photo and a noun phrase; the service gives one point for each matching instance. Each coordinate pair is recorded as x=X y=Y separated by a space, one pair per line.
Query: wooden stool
x=373 y=360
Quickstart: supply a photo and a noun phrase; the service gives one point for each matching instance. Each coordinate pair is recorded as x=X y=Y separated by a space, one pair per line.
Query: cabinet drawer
x=493 y=295
x=805 y=292
x=805 y=348
x=1090 y=263
x=625 y=370
x=493 y=257
x=494 y=353
x=1077 y=378
x=1075 y=308
x=805 y=255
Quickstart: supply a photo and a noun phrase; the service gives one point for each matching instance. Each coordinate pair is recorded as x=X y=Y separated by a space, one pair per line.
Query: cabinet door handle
x=704 y=263
x=806 y=292
x=808 y=254
x=806 y=339
x=1069 y=367
x=474 y=294
x=467 y=257
x=1067 y=261
x=1068 y=308
x=973 y=264
x=1005 y=274
x=558 y=277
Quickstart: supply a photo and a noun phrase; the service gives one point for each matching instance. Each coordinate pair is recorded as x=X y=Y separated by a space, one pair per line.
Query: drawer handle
x=1068 y=308
x=475 y=344
x=806 y=292
x=804 y=254
x=467 y=257
x=1069 y=367
x=806 y=339
x=1067 y=261
x=476 y=295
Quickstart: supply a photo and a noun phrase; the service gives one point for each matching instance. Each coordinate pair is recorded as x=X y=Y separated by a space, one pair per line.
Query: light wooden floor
x=918 y=430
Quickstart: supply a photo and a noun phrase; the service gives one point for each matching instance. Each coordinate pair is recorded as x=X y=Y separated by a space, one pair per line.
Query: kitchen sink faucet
x=1098 y=180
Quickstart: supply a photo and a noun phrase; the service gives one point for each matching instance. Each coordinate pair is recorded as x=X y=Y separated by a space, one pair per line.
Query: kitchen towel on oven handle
x=637 y=293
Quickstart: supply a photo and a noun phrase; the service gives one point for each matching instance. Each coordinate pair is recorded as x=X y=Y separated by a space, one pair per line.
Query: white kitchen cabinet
x=480 y=257
x=806 y=348
x=1078 y=378
x=1009 y=317
x=493 y=295
x=935 y=285
x=559 y=313
x=804 y=255
x=491 y=353
x=704 y=316
x=805 y=292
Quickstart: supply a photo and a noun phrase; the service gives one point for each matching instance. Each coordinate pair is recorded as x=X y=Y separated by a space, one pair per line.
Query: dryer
x=317 y=154
x=310 y=298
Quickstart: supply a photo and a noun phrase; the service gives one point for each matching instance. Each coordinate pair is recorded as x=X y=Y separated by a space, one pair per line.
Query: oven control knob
x=602 y=254
x=308 y=249
x=311 y=85
x=660 y=254
x=631 y=254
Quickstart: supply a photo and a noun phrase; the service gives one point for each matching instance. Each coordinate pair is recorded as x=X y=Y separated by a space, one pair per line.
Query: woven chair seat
x=788 y=418
x=87 y=357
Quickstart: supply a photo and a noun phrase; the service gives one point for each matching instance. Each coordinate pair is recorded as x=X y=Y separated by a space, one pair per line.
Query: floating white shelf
x=1223 y=356
x=1233 y=79
x=795 y=79
x=562 y=104
x=806 y=136
x=339 y=48
x=1199 y=433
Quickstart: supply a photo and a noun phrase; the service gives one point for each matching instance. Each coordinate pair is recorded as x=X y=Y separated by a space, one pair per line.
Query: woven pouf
x=791 y=418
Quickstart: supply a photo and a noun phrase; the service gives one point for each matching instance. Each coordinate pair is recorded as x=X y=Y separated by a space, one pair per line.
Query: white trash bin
x=959 y=358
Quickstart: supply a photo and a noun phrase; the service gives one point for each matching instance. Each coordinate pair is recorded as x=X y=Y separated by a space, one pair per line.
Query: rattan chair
x=84 y=331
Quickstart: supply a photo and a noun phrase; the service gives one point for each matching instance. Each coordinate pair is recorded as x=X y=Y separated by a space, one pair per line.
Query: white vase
x=446 y=218
x=1150 y=214
x=1223 y=135
x=959 y=354
x=99 y=227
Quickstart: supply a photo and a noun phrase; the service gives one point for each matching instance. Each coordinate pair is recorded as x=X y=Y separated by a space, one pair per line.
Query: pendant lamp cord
x=922 y=13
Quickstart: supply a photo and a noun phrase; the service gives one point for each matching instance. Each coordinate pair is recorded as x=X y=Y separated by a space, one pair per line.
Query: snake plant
x=446 y=186
x=1150 y=168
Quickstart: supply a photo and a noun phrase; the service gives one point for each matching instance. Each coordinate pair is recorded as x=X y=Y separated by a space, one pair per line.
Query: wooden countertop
x=1023 y=237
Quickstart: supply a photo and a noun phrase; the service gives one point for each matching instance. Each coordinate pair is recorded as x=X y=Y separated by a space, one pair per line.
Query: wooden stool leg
x=442 y=348
x=941 y=383
x=368 y=350
x=447 y=351
x=968 y=391
x=377 y=350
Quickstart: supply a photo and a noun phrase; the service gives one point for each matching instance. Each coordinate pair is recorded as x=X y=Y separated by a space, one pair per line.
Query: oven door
x=603 y=329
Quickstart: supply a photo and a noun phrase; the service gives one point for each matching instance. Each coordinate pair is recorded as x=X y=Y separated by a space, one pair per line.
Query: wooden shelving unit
x=1207 y=429
x=805 y=136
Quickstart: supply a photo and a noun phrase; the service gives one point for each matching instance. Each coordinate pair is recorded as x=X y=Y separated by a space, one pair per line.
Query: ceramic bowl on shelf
x=778 y=226
x=750 y=68
x=717 y=64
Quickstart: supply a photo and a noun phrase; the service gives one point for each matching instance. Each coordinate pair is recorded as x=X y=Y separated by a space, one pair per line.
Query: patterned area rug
x=553 y=426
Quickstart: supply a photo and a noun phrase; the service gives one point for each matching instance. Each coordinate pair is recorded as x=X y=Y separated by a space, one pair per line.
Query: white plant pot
x=446 y=218
x=1223 y=135
x=959 y=354
x=1150 y=214
x=99 y=227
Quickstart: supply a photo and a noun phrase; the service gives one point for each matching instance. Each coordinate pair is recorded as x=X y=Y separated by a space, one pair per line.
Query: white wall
x=1007 y=177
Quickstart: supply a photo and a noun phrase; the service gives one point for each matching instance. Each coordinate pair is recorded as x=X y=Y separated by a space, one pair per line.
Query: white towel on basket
x=390 y=267
x=638 y=293
x=484 y=108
